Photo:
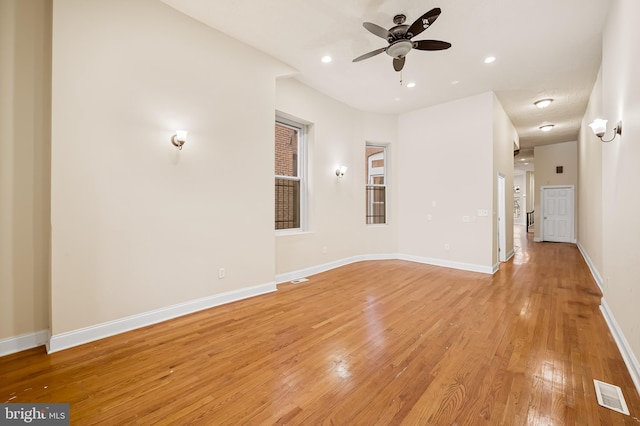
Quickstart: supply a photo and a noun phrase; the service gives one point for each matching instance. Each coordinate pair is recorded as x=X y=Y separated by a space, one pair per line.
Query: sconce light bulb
x=341 y=170
x=599 y=126
x=179 y=138
x=181 y=135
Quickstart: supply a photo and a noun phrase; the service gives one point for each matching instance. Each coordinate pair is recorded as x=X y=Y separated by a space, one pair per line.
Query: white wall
x=590 y=183
x=337 y=227
x=136 y=224
x=25 y=85
x=620 y=171
x=445 y=172
x=505 y=138
x=547 y=158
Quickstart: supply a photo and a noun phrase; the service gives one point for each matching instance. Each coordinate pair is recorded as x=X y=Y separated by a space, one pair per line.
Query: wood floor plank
x=384 y=343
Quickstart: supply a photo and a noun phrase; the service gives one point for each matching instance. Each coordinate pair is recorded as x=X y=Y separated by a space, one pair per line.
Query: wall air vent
x=299 y=280
x=610 y=396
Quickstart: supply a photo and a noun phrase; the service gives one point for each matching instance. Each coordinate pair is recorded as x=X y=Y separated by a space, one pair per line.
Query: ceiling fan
x=399 y=38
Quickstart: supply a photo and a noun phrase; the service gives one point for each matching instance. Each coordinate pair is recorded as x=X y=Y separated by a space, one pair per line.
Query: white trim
x=312 y=270
x=510 y=255
x=537 y=239
x=594 y=272
x=448 y=264
x=12 y=345
x=69 y=339
x=625 y=350
x=306 y=272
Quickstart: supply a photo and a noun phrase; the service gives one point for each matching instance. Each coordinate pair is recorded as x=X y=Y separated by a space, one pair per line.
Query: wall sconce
x=179 y=138
x=599 y=127
x=341 y=170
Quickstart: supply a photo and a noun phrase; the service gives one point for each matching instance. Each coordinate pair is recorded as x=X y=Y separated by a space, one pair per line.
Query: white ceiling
x=544 y=48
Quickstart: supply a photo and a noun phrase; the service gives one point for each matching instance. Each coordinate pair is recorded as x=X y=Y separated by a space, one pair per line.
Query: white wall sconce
x=341 y=170
x=599 y=127
x=179 y=138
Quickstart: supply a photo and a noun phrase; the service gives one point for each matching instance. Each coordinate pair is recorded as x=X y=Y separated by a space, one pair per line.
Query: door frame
x=502 y=218
x=572 y=213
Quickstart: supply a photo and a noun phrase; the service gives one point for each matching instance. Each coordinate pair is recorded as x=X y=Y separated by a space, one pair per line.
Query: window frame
x=370 y=183
x=301 y=166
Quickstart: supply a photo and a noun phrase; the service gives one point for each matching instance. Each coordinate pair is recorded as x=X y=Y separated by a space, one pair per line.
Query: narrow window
x=376 y=187
x=289 y=174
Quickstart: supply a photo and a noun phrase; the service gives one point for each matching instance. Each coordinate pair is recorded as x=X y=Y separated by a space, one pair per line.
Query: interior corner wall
x=445 y=174
x=505 y=138
x=25 y=111
x=547 y=158
x=620 y=171
x=136 y=224
x=338 y=135
x=590 y=184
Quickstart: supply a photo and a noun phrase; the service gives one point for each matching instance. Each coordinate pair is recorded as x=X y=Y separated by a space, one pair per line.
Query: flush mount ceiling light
x=326 y=59
x=411 y=84
x=546 y=127
x=599 y=127
x=543 y=103
x=489 y=59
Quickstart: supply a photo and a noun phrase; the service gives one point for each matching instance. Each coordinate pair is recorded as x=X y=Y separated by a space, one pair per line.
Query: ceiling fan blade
x=398 y=63
x=376 y=30
x=424 y=22
x=370 y=54
x=431 y=45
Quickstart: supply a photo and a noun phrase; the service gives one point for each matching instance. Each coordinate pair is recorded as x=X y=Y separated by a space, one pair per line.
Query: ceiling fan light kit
x=399 y=38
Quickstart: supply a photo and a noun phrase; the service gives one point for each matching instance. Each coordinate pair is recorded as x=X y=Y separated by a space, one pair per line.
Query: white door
x=557 y=214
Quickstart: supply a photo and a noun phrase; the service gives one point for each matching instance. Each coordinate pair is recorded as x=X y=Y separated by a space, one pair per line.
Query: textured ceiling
x=544 y=48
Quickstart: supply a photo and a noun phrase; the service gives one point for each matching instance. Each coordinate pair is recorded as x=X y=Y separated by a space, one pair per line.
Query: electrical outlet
x=221 y=273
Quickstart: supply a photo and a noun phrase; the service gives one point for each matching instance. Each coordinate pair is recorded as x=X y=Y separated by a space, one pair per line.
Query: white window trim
x=379 y=171
x=302 y=129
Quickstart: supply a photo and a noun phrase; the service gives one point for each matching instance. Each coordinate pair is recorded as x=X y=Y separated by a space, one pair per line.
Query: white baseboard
x=301 y=273
x=537 y=239
x=623 y=345
x=23 y=342
x=592 y=268
x=448 y=264
x=305 y=272
x=69 y=339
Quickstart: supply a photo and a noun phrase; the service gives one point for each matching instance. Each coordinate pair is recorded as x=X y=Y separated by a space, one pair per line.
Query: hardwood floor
x=384 y=342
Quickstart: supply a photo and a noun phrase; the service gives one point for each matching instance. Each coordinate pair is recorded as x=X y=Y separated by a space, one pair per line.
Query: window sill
x=290 y=232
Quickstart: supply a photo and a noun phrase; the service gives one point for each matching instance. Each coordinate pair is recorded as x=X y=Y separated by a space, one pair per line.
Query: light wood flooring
x=371 y=343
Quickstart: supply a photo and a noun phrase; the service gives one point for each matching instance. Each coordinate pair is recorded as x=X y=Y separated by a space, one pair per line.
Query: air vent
x=298 y=280
x=610 y=396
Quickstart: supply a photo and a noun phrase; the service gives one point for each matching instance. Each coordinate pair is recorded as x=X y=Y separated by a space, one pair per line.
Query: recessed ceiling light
x=546 y=127
x=396 y=99
x=489 y=59
x=326 y=59
x=543 y=103
x=410 y=85
x=455 y=82
x=526 y=164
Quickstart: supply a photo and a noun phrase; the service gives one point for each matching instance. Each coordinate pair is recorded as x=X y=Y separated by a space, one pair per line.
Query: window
x=376 y=159
x=289 y=174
